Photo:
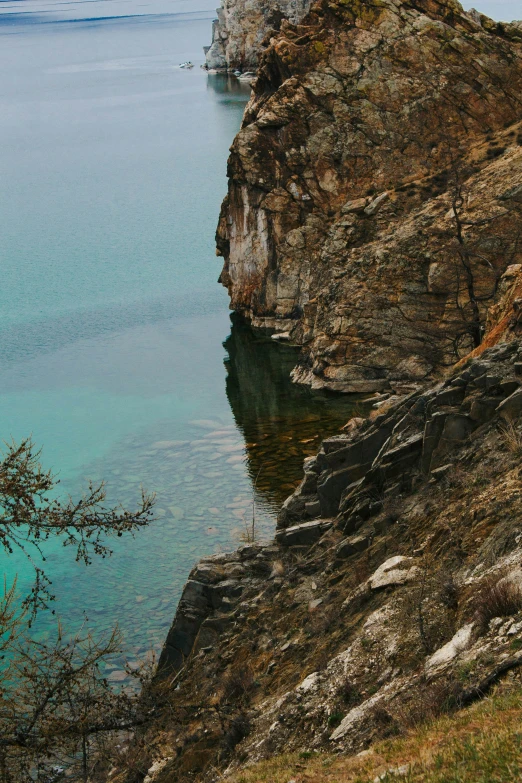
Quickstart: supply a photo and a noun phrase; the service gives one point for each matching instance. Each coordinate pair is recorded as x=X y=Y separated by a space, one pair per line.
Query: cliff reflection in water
x=282 y=422
x=226 y=84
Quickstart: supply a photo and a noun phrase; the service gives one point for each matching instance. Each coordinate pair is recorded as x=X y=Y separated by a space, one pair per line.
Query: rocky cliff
x=374 y=197
x=241 y=26
x=401 y=602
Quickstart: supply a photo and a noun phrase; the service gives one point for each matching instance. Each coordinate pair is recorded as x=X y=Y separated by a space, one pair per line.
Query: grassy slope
x=482 y=744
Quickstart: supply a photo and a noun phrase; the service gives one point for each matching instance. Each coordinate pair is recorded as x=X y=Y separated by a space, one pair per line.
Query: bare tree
x=31 y=514
x=57 y=708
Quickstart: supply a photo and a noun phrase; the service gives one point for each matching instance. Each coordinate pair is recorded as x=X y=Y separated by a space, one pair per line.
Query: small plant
x=496 y=596
x=511 y=436
x=334 y=719
x=237 y=684
x=465 y=671
x=347 y=692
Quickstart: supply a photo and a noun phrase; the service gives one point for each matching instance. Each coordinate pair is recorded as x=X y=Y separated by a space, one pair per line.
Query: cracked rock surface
x=338 y=227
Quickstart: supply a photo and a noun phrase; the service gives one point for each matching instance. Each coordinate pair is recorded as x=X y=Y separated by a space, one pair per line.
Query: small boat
x=188 y=64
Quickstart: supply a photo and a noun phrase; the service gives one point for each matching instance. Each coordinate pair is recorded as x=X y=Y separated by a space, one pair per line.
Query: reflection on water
x=203 y=471
x=281 y=422
x=111 y=320
x=226 y=84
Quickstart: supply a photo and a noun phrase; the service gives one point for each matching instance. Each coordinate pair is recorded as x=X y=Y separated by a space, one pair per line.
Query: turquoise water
x=116 y=348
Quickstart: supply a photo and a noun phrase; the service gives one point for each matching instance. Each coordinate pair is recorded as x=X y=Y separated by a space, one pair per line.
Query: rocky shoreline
x=373 y=218
x=270 y=637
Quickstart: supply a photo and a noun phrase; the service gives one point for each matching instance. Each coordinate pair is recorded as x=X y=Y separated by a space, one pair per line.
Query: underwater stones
x=168 y=444
x=208 y=424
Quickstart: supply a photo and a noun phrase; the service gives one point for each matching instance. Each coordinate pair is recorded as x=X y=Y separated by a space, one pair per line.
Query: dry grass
x=497 y=596
x=482 y=744
x=237 y=685
x=511 y=436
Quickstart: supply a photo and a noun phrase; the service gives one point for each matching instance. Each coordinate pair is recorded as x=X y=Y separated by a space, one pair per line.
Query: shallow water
x=116 y=348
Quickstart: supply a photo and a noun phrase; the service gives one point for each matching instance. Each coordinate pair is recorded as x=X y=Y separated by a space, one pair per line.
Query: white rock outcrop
x=240 y=27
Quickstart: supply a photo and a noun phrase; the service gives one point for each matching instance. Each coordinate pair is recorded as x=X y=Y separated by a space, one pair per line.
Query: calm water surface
x=116 y=347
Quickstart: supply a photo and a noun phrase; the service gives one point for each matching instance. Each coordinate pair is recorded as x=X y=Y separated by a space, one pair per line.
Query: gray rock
x=313 y=509
x=439 y=473
x=306 y=534
x=512 y=406
x=395 y=571
x=451 y=396
x=350 y=546
x=483 y=409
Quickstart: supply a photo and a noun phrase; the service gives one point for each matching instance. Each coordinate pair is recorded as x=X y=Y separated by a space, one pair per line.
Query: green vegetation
x=481 y=744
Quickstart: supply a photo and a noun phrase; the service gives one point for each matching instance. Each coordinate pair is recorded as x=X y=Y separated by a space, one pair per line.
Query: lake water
x=116 y=348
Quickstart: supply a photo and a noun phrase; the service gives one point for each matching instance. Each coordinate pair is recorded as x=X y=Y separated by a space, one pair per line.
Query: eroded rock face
x=414 y=437
x=338 y=225
x=241 y=26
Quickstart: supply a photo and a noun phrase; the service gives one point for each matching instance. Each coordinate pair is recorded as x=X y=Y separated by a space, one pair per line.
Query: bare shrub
x=496 y=596
x=449 y=593
x=429 y=702
x=278 y=569
x=427 y=612
x=392 y=509
x=237 y=684
x=319 y=620
x=384 y=722
x=359 y=573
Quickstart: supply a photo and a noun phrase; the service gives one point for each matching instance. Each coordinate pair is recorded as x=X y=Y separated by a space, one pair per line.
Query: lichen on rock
x=338 y=225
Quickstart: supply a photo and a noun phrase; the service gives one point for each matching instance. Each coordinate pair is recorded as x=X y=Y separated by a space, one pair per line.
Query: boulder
x=395 y=571
x=446 y=654
x=512 y=406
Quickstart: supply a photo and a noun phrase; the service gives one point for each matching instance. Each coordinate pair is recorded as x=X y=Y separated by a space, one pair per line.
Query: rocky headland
x=373 y=218
x=375 y=172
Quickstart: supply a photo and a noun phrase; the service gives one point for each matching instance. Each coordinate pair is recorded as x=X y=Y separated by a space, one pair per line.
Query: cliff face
x=381 y=614
x=241 y=26
x=374 y=176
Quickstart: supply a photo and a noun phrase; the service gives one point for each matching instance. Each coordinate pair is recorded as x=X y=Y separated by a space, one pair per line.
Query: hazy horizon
x=42 y=11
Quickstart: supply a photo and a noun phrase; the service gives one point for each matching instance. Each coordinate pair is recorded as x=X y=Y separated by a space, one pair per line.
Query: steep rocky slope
x=402 y=600
x=374 y=195
x=241 y=26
